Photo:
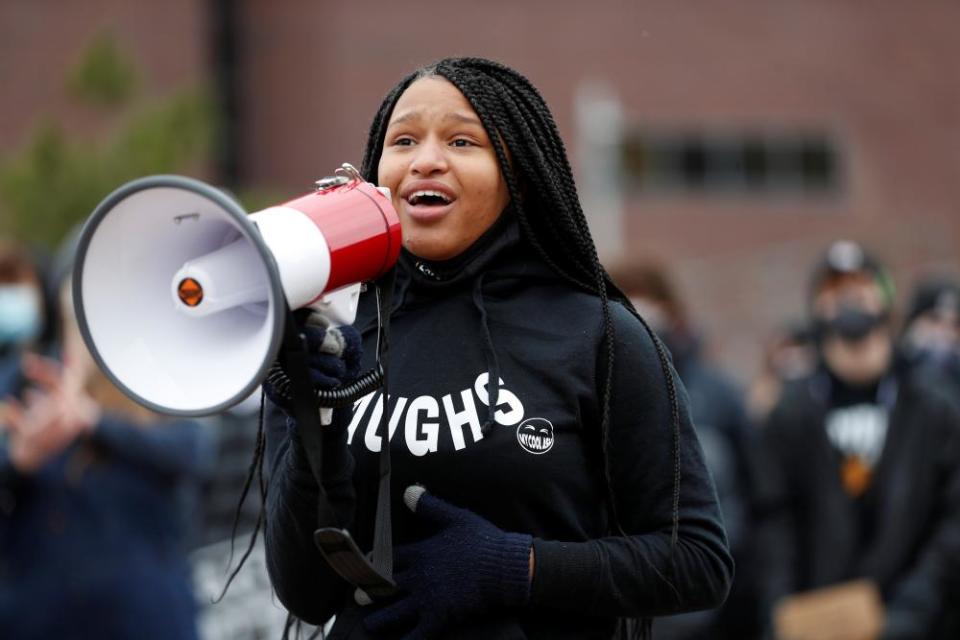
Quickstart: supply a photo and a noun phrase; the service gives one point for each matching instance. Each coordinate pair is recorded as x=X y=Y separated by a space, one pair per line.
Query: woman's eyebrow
x=462 y=117
x=404 y=117
x=417 y=114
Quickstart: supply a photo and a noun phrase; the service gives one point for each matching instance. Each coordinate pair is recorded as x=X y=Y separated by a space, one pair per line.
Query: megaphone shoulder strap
x=293 y=357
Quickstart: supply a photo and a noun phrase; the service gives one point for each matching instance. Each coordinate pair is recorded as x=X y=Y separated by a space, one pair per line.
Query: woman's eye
x=403 y=142
x=462 y=142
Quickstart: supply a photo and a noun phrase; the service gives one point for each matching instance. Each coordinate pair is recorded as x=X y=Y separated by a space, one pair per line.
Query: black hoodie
x=531 y=464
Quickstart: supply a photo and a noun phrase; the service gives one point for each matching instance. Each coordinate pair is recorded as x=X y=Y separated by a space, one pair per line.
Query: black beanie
x=934 y=293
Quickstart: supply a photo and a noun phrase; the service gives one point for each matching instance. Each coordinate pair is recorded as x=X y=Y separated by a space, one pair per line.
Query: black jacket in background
x=909 y=515
x=535 y=470
x=729 y=446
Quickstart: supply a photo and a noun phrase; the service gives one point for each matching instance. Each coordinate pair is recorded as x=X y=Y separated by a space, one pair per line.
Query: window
x=743 y=163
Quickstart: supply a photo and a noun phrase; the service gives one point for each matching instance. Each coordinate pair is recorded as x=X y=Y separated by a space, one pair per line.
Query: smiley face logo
x=535 y=435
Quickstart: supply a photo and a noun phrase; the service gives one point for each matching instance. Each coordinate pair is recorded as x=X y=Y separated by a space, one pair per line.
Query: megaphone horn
x=181 y=296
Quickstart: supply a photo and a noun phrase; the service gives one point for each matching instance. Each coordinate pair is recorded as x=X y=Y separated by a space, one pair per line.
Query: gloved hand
x=333 y=358
x=466 y=568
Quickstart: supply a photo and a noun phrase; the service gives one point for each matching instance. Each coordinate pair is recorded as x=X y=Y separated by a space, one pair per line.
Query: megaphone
x=181 y=296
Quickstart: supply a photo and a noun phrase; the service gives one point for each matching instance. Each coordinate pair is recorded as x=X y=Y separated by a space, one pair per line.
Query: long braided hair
x=545 y=200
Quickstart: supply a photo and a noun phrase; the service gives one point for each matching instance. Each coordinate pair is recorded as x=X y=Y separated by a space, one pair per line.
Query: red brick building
x=753 y=132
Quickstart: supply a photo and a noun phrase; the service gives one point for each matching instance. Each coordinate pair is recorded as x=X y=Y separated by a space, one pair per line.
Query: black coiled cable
x=347 y=395
x=330 y=398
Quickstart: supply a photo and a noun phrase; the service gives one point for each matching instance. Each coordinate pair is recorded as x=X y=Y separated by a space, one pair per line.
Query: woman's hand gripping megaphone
x=333 y=359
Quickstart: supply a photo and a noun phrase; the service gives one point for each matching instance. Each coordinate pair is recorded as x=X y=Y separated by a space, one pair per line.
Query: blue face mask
x=19 y=313
x=938 y=356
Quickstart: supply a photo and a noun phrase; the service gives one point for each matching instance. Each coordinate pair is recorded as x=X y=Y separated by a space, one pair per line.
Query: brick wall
x=41 y=40
x=880 y=77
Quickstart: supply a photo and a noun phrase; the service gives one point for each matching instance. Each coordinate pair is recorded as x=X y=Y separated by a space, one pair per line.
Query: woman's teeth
x=428 y=197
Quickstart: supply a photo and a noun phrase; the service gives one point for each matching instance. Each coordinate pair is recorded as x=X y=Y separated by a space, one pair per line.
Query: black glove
x=468 y=567
x=333 y=358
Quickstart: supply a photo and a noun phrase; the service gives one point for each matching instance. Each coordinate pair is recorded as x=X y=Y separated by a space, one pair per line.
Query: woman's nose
x=428 y=159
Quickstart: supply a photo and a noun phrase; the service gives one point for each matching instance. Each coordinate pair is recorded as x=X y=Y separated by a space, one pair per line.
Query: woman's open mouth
x=425 y=205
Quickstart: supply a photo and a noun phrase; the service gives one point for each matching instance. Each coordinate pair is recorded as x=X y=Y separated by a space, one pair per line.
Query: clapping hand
x=50 y=417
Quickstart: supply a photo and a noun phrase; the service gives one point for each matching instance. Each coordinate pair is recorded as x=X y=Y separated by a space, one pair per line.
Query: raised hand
x=50 y=417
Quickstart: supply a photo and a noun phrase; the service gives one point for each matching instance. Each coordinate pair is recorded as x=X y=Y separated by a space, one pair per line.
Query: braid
x=507 y=117
x=254 y=471
x=524 y=122
x=533 y=161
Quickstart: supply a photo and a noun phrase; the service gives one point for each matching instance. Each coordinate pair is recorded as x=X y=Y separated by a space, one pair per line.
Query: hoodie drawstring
x=493 y=365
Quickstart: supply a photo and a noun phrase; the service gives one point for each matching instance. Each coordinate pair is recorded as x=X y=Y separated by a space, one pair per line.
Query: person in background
x=861 y=475
x=931 y=334
x=789 y=354
x=718 y=412
x=225 y=518
x=23 y=313
x=91 y=521
x=233 y=605
x=930 y=343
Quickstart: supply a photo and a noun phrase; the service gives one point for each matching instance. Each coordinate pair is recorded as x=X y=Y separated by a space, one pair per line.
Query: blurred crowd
x=837 y=468
x=113 y=519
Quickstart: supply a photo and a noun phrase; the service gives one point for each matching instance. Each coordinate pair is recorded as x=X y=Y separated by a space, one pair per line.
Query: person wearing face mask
x=724 y=431
x=22 y=313
x=94 y=500
x=861 y=475
x=546 y=481
x=931 y=335
x=788 y=354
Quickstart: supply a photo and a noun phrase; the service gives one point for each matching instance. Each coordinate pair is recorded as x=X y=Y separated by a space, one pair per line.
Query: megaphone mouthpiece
x=228 y=277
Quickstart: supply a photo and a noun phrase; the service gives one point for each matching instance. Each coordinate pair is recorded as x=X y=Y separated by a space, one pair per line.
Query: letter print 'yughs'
x=535 y=435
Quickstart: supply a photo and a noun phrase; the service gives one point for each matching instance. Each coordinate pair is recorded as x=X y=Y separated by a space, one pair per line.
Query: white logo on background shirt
x=859 y=430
